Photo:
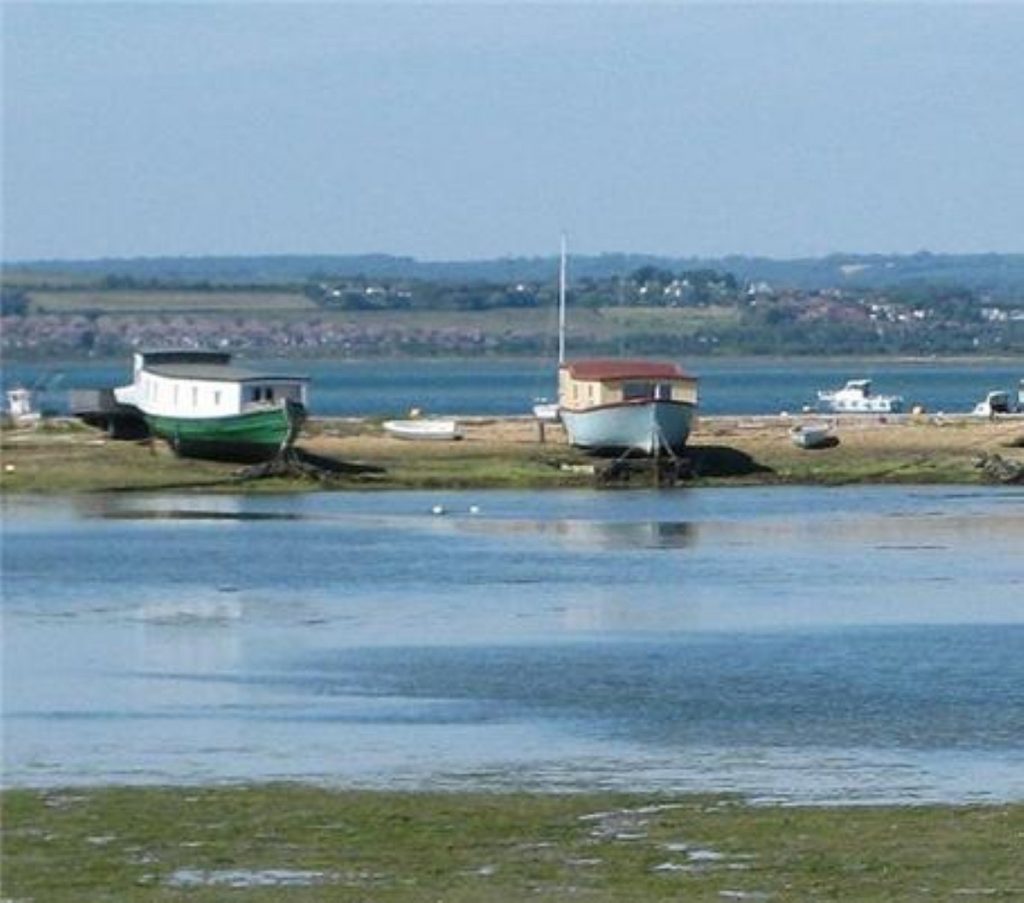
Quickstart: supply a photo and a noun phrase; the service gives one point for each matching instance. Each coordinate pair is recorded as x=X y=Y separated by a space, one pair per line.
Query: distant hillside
x=1000 y=275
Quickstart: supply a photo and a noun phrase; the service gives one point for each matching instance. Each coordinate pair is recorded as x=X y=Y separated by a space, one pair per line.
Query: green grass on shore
x=68 y=457
x=65 y=456
x=301 y=843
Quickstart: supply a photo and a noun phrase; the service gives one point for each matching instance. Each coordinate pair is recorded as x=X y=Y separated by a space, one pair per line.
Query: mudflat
x=64 y=456
x=305 y=843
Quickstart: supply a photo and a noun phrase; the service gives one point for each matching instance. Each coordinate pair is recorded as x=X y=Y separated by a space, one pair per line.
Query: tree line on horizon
x=998 y=275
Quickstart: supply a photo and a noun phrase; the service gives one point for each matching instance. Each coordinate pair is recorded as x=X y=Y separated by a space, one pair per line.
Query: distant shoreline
x=283 y=355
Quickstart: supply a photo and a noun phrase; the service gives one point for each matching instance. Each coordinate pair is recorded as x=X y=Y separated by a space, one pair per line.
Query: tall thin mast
x=561 y=306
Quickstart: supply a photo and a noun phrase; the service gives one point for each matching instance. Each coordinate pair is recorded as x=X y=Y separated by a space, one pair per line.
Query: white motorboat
x=995 y=403
x=429 y=429
x=856 y=397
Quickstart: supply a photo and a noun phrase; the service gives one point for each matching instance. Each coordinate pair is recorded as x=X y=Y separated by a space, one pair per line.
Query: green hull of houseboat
x=253 y=436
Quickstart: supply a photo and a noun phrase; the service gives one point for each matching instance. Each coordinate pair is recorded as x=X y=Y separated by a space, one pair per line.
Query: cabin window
x=637 y=390
x=216 y=397
x=663 y=391
x=175 y=396
x=195 y=396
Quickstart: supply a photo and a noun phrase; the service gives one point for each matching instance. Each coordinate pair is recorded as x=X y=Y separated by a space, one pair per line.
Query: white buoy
x=437 y=509
x=9 y=468
x=474 y=509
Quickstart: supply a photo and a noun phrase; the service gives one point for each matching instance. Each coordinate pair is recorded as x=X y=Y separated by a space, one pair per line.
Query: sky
x=449 y=131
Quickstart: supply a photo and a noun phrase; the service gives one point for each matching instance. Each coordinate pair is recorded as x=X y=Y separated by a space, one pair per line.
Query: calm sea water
x=508 y=387
x=806 y=644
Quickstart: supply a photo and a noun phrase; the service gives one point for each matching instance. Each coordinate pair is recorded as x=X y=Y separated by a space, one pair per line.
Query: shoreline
x=63 y=455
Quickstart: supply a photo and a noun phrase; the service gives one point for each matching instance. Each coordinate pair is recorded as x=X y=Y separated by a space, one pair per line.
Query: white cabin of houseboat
x=204 y=384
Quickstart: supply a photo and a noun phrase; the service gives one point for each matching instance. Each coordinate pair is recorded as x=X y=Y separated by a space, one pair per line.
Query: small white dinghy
x=810 y=435
x=429 y=428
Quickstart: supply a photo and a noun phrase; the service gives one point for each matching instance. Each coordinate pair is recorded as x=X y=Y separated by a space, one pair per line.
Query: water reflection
x=145 y=507
x=585 y=533
x=595 y=534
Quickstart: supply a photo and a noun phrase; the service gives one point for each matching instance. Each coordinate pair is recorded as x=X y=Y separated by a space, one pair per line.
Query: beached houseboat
x=622 y=404
x=206 y=407
x=619 y=404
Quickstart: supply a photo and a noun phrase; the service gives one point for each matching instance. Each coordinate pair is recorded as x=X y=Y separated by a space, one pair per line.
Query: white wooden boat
x=810 y=435
x=427 y=429
x=617 y=404
x=856 y=397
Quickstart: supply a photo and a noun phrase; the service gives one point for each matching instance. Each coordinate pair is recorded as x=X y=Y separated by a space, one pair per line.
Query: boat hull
x=647 y=426
x=248 y=437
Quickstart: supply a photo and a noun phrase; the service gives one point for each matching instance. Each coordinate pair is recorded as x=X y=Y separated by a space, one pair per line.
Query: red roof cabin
x=594 y=382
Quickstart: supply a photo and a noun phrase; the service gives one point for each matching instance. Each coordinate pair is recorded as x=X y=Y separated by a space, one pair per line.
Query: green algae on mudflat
x=306 y=843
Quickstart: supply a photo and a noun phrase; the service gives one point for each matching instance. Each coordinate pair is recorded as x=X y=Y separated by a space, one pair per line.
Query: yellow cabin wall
x=579 y=393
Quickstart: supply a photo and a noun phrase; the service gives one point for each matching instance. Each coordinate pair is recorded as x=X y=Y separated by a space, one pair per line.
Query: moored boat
x=205 y=407
x=856 y=397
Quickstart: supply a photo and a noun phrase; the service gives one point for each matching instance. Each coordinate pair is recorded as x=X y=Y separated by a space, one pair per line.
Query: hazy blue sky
x=467 y=131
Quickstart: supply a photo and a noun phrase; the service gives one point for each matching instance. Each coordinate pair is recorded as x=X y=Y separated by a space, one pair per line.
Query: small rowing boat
x=810 y=435
x=429 y=428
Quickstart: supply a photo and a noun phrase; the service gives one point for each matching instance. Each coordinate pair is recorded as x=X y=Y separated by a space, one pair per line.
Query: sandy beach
x=894 y=449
